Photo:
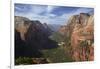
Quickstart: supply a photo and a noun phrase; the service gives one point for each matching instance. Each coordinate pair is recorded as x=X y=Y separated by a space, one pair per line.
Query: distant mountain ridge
x=54 y=27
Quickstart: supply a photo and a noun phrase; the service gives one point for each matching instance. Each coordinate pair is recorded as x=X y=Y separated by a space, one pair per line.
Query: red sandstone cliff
x=80 y=29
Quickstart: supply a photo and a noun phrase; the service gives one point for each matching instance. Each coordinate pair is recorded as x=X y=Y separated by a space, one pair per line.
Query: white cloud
x=16 y=7
x=50 y=8
x=82 y=10
x=49 y=18
x=51 y=15
x=38 y=9
x=34 y=14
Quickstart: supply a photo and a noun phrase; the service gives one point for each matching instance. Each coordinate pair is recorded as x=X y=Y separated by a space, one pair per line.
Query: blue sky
x=49 y=14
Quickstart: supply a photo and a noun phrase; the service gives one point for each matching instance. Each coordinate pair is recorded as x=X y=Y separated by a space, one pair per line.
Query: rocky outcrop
x=30 y=37
x=81 y=32
x=48 y=29
x=82 y=41
x=21 y=25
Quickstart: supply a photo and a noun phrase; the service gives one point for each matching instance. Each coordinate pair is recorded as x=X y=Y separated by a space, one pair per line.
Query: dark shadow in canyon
x=35 y=41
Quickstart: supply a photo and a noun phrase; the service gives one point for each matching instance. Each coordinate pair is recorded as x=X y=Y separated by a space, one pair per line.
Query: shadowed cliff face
x=31 y=37
x=23 y=49
x=81 y=32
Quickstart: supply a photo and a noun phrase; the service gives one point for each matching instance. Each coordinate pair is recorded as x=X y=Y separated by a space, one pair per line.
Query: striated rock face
x=21 y=25
x=82 y=41
x=75 y=22
x=31 y=37
x=81 y=32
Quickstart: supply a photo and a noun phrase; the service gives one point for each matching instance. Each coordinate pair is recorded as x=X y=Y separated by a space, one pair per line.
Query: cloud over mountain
x=48 y=14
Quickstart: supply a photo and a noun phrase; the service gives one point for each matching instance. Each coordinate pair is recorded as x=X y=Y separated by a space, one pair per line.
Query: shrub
x=23 y=60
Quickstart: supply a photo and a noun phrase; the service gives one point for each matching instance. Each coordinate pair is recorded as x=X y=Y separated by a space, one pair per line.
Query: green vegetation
x=62 y=53
x=61 y=38
x=57 y=55
x=23 y=60
x=83 y=43
x=57 y=37
x=54 y=55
